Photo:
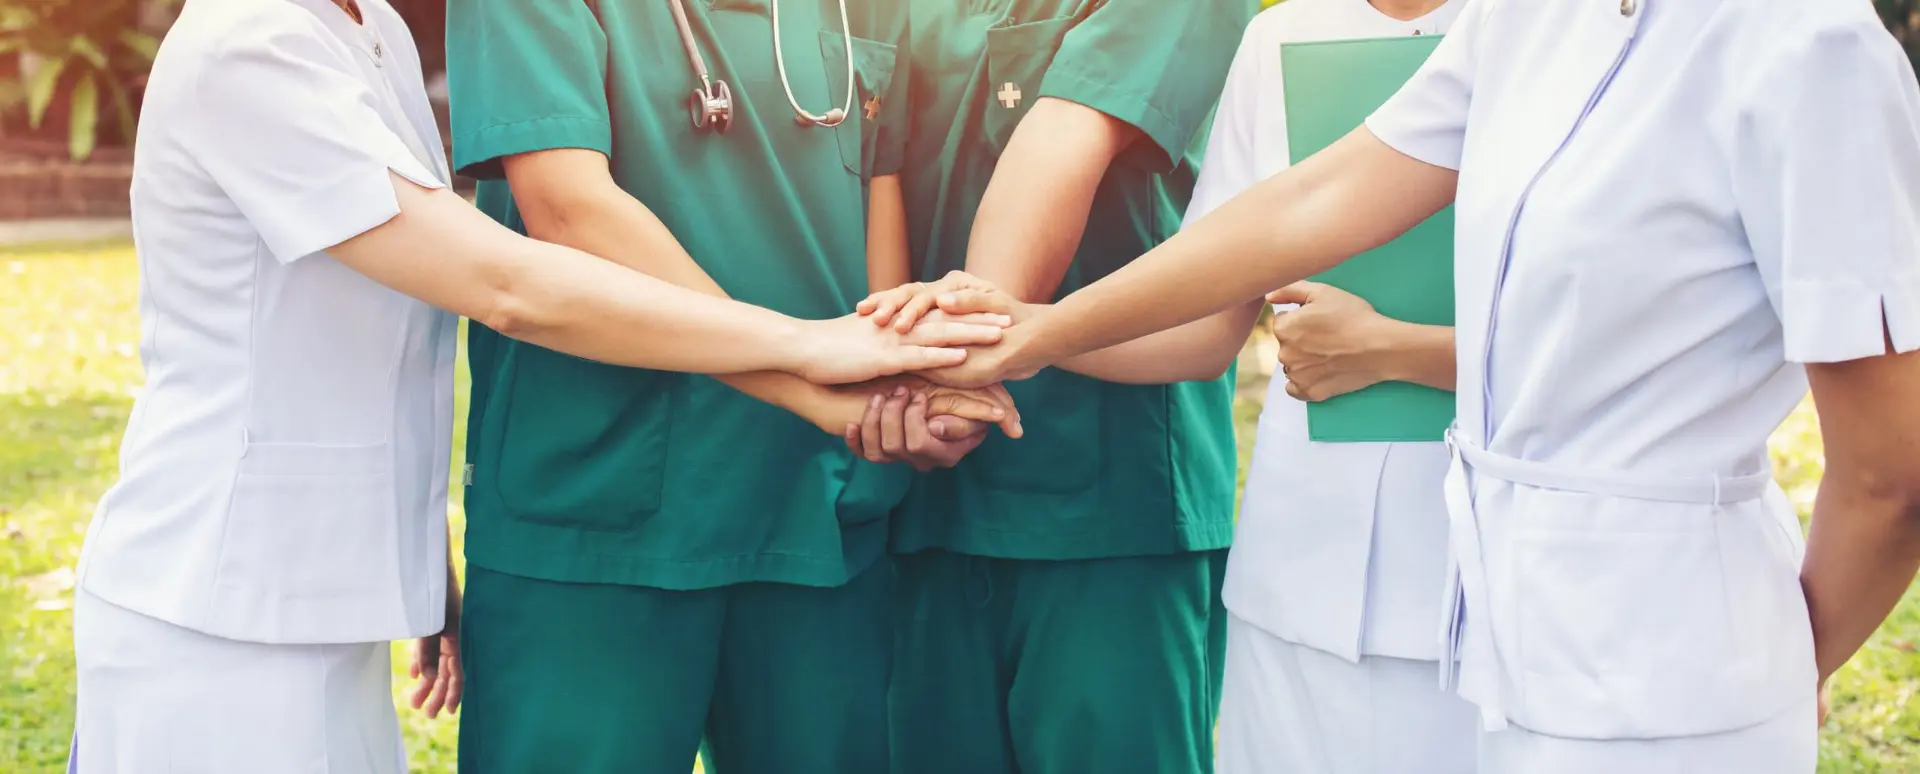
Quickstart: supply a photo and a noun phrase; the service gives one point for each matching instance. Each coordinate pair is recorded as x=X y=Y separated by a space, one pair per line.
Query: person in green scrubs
x=655 y=559
x=1059 y=595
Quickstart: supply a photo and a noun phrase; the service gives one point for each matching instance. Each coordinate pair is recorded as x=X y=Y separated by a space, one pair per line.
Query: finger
x=1010 y=425
x=977 y=318
x=429 y=674
x=953 y=334
x=870 y=430
x=973 y=301
x=917 y=358
x=1296 y=391
x=918 y=437
x=852 y=437
x=965 y=406
x=438 y=697
x=912 y=311
x=950 y=428
x=883 y=310
x=1296 y=293
x=456 y=677
x=893 y=433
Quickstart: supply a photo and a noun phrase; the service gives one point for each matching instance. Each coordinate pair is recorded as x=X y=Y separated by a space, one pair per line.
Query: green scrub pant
x=1097 y=666
x=606 y=679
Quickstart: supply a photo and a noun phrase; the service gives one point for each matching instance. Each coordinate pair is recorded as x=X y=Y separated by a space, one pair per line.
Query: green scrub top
x=588 y=473
x=1104 y=469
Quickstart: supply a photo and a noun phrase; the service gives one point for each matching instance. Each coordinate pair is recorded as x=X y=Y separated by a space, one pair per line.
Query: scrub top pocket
x=874 y=64
x=1017 y=60
x=582 y=444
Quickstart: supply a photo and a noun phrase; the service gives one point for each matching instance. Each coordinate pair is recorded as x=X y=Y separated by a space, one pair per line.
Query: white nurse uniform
x=281 y=510
x=1332 y=584
x=1664 y=207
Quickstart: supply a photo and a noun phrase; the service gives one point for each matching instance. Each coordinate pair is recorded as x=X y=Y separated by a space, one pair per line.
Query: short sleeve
x=1230 y=164
x=1427 y=118
x=896 y=107
x=1826 y=171
x=1156 y=64
x=284 y=125
x=524 y=76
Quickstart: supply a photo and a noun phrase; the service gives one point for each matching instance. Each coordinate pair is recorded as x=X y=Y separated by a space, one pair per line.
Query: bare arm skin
x=569 y=197
x=444 y=252
x=1864 y=545
x=1355 y=196
x=889 y=259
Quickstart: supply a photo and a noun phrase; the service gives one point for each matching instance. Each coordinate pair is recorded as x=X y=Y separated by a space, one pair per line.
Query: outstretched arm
x=1355 y=196
x=441 y=250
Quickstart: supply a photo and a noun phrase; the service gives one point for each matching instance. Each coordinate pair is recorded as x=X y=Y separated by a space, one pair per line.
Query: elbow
x=512 y=308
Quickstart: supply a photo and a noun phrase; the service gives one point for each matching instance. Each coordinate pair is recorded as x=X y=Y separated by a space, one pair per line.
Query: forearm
x=889 y=258
x=1034 y=212
x=1862 y=553
x=601 y=219
x=1355 y=196
x=1421 y=354
x=558 y=297
x=1197 y=351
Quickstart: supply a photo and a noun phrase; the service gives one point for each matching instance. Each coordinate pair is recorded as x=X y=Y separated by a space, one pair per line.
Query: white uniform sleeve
x=1826 y=171
x=1229 y=165
x=286 y=128
x=1427 y=118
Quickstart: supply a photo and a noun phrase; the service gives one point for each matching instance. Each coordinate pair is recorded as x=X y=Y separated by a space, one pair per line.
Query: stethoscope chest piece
x=712 y=107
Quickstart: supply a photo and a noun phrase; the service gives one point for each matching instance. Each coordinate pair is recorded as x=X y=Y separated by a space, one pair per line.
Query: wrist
x=1399 y=351
x=790 y=345
x=831 y=409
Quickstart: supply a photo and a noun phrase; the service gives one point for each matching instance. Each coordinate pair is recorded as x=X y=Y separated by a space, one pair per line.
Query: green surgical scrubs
x=1060 y=606
x=637 y=535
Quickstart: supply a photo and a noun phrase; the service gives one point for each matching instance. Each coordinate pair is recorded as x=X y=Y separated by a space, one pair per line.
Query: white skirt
x=155 y=697
x=1291 y=709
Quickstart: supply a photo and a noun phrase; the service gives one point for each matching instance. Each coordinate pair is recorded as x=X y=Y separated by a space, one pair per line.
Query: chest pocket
x=874 y=64
x=1017 y=60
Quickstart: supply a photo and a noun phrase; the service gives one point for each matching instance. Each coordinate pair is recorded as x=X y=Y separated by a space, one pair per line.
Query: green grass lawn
x=68 y=373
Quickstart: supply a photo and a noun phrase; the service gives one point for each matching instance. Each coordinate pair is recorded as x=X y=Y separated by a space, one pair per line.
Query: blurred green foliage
x=88 y=56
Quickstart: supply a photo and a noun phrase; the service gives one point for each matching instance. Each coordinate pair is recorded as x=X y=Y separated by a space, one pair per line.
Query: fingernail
x=937 y=428
x=899 y=391
x=1004 y=319
x=919 y=399
x=877 y=400
x=999 y=413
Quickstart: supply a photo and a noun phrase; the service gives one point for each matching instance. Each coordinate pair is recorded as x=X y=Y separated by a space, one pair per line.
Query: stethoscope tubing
x=833 y=117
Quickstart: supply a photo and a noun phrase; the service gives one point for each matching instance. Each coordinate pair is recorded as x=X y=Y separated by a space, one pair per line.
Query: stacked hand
x=915 y=424
x=852 y=349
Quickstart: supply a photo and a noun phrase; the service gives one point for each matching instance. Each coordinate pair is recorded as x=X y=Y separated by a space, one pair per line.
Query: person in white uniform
x=281 y=509
x=1331 y=653
x=1673 y=216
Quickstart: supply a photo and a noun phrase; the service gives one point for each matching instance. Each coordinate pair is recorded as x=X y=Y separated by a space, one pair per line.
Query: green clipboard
x=1331 y=89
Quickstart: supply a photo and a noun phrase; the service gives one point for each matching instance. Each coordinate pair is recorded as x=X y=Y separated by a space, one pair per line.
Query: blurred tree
x=74 y=62
x=428 y=20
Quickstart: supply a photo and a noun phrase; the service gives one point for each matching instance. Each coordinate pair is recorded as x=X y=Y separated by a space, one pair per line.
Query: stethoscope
x=712 y=103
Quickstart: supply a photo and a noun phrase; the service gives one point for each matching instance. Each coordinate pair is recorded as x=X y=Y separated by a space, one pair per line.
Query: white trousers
x=154 y=697
x=1291 y=709
x=1788 y=744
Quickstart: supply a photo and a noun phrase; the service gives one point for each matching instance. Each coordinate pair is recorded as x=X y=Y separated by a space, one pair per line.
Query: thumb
x=1296 y=293
x=952 y=428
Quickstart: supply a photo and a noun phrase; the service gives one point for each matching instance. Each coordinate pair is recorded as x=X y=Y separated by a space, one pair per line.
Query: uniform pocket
x=1017 y=60
x=874 y=64
x=1634 y=619
x=310 y=520
x=583 y=444
x=1061 y=454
